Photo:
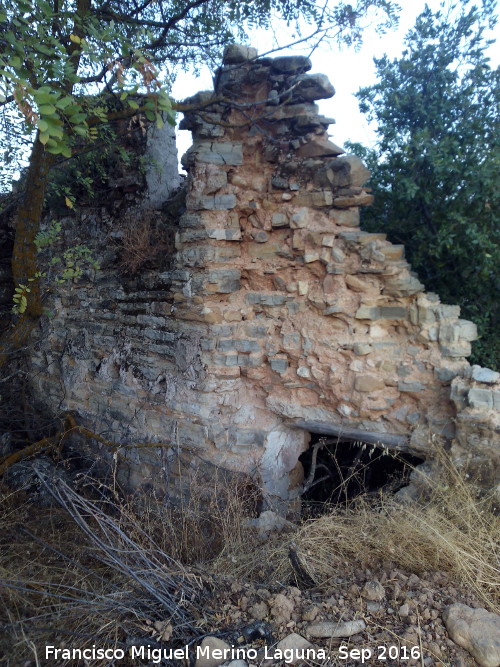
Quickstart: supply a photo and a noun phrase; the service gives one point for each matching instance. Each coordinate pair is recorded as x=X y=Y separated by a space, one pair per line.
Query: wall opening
x=336 y=470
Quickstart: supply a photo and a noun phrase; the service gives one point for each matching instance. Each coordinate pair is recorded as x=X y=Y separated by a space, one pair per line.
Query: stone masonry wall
x=275 y=316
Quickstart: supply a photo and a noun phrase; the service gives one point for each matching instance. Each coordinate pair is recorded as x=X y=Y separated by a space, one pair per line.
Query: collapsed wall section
x=276 y=316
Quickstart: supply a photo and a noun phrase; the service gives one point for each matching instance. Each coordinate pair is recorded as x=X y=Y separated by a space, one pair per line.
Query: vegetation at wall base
x=101 y=569
x=435 y=167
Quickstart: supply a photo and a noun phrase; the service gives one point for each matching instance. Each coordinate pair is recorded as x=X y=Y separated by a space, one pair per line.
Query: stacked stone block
x=279 y=310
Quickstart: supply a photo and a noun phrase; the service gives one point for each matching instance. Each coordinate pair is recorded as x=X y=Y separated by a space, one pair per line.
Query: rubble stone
x=313 y=87
x=237 y=53
x=477 y=630
x=368 y=383
x=214 y=647
x=485 y=375
x=332 y=630
x=288 y=64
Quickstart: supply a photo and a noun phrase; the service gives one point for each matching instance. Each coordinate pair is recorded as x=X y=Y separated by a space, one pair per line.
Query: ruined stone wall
x=274 y=316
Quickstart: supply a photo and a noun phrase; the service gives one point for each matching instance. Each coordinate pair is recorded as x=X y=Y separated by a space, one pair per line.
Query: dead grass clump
x=50 y=586
x=108 y=572
x=143 y=241
x=199 y=523
x=456 y=529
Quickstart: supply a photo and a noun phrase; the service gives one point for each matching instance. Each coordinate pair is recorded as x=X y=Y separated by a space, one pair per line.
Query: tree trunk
x=24 y=256
x=27 y=226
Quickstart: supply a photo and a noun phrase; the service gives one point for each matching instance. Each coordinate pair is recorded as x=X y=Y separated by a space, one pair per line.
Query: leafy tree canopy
x=436 y=165
x=58 y=57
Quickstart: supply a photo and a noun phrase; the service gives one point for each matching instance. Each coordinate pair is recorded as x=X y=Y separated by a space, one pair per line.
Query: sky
x=347 y=69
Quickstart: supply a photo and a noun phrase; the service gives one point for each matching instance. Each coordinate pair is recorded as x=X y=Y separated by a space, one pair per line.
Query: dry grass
x=204 y=523
x=106 y=571
x=48 y=580
x=456 y=529
x=142 y=242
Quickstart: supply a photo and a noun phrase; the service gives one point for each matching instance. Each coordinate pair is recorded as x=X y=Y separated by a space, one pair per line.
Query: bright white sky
x=347 y=69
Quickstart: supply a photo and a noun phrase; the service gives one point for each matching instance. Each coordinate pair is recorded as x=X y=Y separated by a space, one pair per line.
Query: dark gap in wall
x=345 y=469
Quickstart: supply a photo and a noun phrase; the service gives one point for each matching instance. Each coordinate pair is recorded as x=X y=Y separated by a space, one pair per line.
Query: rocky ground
x=382 y=615
x=385 y=617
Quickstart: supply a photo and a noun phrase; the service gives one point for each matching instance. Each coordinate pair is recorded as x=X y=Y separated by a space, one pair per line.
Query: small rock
x=287 y=64
x=295 y=643
x=260 y=237
x=475 y=630
x=435 y=649
x=259 y=611
x=404 y=610
x=373 y=590
x=368 y=383
x=331 y=629
x=358 y=284
x=263 y=594
x=413 y=581
x=310 y=613
x=282 y=608
x=318 y=147
x=314 y=87
x=165 y=630
x=354 y=590
x=269 y=522
x=373 y=606
x=279 y=220
x=237 y=663
x=214 y=647
x=485 y=375
x=237 y=53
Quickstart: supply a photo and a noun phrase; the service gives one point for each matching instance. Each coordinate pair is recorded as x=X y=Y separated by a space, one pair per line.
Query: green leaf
x=44 y=49
x=55 y=131
x=73 y=108
x=7 y=75
x=64 y=102
x=41 y=97
x=47 y=110
x=77 y=118
x=43 y=138
x=46 y=8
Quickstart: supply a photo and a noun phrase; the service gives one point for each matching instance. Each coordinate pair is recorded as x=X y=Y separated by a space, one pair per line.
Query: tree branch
x=69 y=427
